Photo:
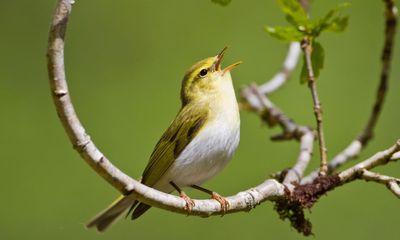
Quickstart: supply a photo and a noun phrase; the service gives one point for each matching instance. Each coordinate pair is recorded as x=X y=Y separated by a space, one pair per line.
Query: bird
x=197 y=145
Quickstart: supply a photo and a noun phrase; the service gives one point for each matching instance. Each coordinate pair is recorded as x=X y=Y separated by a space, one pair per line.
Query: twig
x=257 y=101
x=391 y=183
x=283 y=75
x=307 y=49
x=390 y=30
x=357 y=145
x=380 y=158
x=368 y=132
x=304 y=196
x=308 y=193
x=395 y=156
x=273 y=115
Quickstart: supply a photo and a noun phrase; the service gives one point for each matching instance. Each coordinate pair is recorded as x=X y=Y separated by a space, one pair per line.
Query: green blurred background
x=124 y=62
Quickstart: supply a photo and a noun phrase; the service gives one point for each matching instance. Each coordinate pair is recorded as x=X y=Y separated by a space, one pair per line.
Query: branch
x=378 y=159
x=257 y=101
x=307 y=49
x=386 y=57
x=391 y=183
x=243 y=201
x=358 y=144
x=272 y=115
x=304 y=196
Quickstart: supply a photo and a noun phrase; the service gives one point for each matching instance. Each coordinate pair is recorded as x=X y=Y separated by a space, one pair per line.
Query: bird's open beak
x=230 y=67
x=217 y=63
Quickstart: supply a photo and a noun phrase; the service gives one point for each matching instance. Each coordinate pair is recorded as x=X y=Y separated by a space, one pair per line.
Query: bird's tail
x=109 y=215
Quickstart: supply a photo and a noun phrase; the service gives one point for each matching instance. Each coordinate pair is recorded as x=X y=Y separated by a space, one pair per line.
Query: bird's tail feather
x=139 y=210
x=105 y=218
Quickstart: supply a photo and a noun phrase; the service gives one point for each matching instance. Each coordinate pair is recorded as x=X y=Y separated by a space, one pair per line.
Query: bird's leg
x=223 y=201
x=189 y=202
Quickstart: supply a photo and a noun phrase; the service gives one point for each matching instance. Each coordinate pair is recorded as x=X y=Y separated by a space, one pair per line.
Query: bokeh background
x=125 y=60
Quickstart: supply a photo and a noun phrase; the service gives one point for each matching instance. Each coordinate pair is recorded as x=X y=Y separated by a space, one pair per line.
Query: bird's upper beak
x=217 y=63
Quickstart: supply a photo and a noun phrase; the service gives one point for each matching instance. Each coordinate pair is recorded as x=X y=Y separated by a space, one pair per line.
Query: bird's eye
x=203 y=72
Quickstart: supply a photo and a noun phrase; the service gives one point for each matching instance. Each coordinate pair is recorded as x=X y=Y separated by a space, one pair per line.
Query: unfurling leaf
x=338 y=24
x=295 y=13
x=222 y=2
x=287 y=34
x=326 y=23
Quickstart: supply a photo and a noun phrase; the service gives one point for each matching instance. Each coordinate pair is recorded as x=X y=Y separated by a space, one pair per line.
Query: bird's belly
x=205 y=156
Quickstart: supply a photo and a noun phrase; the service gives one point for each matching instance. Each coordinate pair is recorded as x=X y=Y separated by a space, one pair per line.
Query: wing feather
x=187 y=124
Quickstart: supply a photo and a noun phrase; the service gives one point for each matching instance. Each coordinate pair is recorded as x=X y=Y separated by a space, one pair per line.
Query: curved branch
x=65 y=110
x=81 y=141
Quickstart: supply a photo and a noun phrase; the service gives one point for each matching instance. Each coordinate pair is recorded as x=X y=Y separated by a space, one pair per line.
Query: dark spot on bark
x=303 y=197
x=308 y=194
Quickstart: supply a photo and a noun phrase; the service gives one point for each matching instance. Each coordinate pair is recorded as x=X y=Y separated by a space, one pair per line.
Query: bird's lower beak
x=230 y=67
x=217 y=63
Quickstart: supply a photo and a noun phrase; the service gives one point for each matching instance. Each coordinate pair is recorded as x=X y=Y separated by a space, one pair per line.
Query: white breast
x=211 y=149
x=204 y=157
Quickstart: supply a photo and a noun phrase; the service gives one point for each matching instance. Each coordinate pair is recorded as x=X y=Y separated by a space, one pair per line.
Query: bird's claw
x=189 y=202
x=223 y=201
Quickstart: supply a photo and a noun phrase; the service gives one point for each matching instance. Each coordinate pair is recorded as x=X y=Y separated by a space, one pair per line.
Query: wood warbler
x=196 y=146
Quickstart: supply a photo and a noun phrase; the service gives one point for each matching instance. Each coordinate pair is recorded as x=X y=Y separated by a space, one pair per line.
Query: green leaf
x=222 y=2
x=295 y=13
x=288 y=34
x=338 y=24
x=337 y=10
x=317 y=62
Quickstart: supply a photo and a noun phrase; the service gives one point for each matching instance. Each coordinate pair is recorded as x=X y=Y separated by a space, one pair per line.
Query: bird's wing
x=180 y=133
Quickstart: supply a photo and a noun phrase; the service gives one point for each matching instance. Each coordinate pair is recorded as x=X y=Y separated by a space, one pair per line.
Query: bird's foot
x=189 y=202
x=223 y=201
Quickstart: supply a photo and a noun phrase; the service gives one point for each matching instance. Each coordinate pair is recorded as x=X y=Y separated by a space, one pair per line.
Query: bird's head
x=206 y=78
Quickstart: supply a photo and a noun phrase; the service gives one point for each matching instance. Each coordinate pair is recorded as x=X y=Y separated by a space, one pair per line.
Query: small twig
x=357 y=145
x=380 y=158
x=394 y=188
x=284 y=74
x=390 y=30
x=307 y=49
x=395 y=156
x=308 y=193
x=390 y=182
x=273 y=115
x=257 y=101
